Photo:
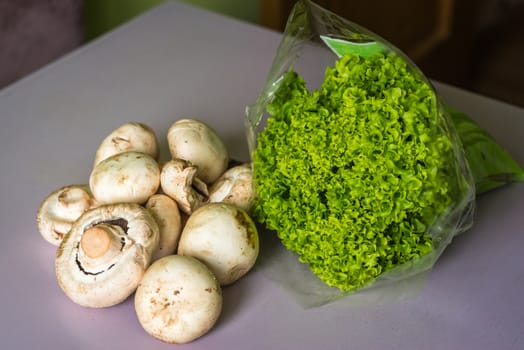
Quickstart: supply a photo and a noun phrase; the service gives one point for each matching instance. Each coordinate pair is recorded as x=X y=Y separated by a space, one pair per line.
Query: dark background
x=477 y=45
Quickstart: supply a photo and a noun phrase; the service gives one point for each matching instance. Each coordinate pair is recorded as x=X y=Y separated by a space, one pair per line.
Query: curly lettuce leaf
x=351 y=176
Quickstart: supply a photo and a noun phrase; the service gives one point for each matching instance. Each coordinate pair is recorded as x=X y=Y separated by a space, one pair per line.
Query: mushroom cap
x=60 y=209
x=199 y=144
x=178 y=180
x=130 y=136
x=165 y=211
x=235 y=186
x=222 y=236
x=130 y=177
x=102 y=281
x=178 y=299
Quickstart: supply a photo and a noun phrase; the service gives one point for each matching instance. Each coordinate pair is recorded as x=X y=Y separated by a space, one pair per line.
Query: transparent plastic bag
x=491 y=165
x=322 y=255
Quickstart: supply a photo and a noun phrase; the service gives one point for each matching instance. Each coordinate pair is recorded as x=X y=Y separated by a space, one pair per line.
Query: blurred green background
x=101 y=16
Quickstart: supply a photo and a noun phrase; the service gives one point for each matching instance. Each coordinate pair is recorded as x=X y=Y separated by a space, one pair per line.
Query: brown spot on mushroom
x=120 y=142
x=207 y=252
x=123 y=178
x=170 y=322
x=59 y=251
x=59 y=235
x=251 y=235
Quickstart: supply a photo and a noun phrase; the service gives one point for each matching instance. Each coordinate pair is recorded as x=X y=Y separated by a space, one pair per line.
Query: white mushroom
x=100 y=262
x=235 y=186
x=178 y=180
x=128 y=137
x=165 y=211
x=130 y=177
x=197 y=143
x=178 y=299
x=222 y=236
x=60 y=209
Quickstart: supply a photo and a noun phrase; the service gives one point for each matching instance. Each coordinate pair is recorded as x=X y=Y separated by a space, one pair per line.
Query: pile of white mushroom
x=172 y=232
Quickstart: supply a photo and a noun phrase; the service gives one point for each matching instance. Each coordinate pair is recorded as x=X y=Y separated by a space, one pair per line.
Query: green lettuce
x=351 y=176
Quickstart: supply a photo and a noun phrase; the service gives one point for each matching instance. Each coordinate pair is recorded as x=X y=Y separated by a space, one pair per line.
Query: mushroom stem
x=178 y=180
x=101 y=240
